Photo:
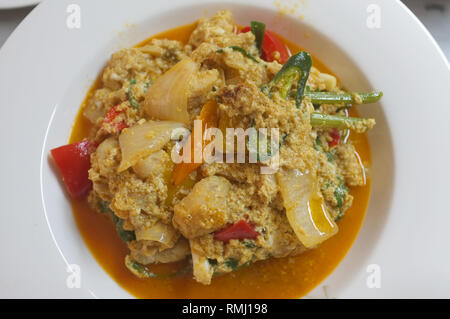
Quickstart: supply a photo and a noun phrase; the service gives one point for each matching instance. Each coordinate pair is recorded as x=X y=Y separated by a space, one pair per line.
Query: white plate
x=46 y=69
x=14 y=4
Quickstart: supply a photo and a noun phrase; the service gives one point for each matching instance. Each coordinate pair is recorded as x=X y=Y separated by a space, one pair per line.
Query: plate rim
x=15 y=4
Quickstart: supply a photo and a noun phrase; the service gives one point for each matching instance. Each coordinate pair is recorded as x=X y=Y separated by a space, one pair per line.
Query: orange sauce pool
x=290 y=277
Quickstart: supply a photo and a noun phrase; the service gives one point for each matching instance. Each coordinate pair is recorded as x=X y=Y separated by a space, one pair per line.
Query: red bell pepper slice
x=271 y=44
x=74 y=161
x=240 y=230
x=245 y=29
x=335 y=135
x=111 y=116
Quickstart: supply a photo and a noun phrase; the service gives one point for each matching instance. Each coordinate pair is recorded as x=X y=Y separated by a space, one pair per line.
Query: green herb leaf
x=144 y=272
x=131 y=99
x=243 y=51
x=249 y=244
x=212 y=262
x=318 y=141
x=125 y=235
x=133 y=102
x=330 y=156
x=232 y=263
x=147 y=86
x=104 y=207
x=340 y=193
x=339 y=216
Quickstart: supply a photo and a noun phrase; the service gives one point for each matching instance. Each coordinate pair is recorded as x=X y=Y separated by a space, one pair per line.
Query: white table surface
x=435 y=14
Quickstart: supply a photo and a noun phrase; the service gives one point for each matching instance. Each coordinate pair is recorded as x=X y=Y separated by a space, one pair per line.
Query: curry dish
x=277 y=222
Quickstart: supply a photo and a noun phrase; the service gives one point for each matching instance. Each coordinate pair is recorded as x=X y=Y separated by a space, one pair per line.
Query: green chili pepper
x=243 y=51
x=299 y=66
x=258 y=29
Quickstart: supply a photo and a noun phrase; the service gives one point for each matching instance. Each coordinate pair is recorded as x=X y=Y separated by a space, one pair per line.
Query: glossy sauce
x=290 y=277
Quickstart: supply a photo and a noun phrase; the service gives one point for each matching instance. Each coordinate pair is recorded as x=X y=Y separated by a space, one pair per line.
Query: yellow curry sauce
x=289 y=277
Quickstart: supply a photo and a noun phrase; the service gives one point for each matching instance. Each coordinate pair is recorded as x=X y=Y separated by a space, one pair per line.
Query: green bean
x=343 y=98
x=357 y=124
x=299 y=66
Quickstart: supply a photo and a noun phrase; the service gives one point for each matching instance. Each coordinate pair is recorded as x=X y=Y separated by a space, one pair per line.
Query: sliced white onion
x=202 y=269
x=154 y=255
x=329 y=81
x=160 y=232
x=167 y=98
x=142 y=140
x=154 y=164
x=305 y=209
